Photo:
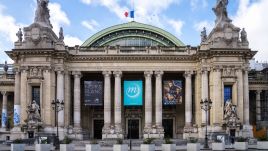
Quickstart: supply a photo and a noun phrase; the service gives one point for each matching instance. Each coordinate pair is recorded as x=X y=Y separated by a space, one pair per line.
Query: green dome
x=132 y=34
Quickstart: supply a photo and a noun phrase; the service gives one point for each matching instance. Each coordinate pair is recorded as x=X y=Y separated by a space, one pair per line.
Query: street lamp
x=57 y=106
x=206 y=106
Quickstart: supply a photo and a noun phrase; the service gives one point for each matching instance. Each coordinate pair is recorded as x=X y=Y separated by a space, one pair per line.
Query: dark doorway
x=133 y=129
x=98 y=124
x=168 y=128
x=232 y=135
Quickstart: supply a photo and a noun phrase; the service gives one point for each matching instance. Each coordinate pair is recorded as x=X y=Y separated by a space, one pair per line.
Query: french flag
x=129 y=14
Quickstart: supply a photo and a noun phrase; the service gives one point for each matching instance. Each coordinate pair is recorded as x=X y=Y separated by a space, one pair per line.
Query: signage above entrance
x=93 y=91
x=133 y=93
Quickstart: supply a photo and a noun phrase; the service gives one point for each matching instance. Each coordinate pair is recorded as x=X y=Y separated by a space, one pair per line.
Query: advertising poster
x=172 y=93
x=93 y=91
x=133 y=93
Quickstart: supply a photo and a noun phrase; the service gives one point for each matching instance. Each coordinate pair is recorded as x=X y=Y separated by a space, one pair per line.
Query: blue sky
x=183 y=18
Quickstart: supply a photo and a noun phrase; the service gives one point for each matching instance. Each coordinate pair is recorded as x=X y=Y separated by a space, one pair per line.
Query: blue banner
x=93 y=93
x=172 y=93
x=133 y=93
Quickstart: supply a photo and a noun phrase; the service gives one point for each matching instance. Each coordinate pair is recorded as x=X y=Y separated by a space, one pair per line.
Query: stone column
x=217 y=100
x=60 y=96
x=16 y=118
x=148 y=101
x=188 y=98
x=240 y=93
x=247 y=128
x=107 y=101
x=117 y=104
x=246 y=98
x=258 y=105
x=204 y=89
x=77 y=100
x=158 y=99
x=23 y=96
x=67 y=97
x=4 y=111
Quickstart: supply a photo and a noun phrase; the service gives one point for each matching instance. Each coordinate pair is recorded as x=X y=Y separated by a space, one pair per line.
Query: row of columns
x=148 y=99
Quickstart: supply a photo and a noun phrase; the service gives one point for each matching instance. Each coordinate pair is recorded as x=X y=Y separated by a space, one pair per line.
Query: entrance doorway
x=168 y=128
x=98 y=125
x=133 y=129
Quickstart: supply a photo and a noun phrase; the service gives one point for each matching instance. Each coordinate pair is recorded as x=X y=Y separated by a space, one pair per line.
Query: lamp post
x=206 y=106
x=57 y=106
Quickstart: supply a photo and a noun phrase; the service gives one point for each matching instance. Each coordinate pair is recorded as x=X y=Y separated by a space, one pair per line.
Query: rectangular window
x=227 y=93
x=36 y=94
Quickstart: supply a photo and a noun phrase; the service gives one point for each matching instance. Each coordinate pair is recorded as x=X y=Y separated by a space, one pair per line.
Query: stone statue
x=19 y=35
x=244 y=38
x=33 y=112
x=61 y=36
x=42 y=13
x=5 y=67
x=230 y=114
x=204 y=35
x=221 y=13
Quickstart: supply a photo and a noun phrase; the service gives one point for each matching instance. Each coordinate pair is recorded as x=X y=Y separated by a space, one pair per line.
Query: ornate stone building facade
x=45 y=69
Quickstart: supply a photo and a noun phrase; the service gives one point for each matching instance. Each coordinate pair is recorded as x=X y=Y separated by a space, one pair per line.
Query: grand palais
x=132 y=80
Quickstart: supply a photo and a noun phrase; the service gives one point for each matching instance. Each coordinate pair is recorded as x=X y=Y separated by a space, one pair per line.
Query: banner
x=172 y=93
x=133 y=93
x=93 y=93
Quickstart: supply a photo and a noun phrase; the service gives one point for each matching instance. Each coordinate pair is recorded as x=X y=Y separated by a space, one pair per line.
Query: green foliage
x=18 y=141
x=66 y=140
x=168 y=141
x=263 y=139
x=192 y=140
x=148 y=141
x=119 y=141
x=93 y=141
x=241 y=139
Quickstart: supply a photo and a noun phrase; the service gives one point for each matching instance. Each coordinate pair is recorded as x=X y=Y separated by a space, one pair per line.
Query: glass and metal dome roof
x=132 y=34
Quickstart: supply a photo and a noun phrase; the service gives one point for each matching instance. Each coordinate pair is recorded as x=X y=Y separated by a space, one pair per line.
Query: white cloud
x=112 y=5
x=87 y=1
x=197 y=3
x=72 y=41
x=8 y=29
x=8 y=26
x=177 y=26
x=91 y=24
x=146 y=11
x=252 y=17
x=200 y=25
x=58 y=17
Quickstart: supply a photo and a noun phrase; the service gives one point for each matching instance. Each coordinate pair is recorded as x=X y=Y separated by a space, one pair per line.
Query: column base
x=112 y=132
x=190 y=131
x=16 y=133
x=3 y=129
x=153 y=132
x=247 y=131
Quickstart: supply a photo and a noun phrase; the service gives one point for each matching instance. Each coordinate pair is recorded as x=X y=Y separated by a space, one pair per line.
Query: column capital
x=148 y=73
x=188 y=74
x=107 y=73
x=60 y=72
x=117 y=73
x=4 y=93
x=158 y=73
x=258 y=92
x=217 y=68
x=76 y=73
x=203 y=70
